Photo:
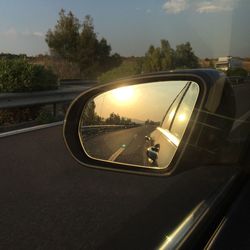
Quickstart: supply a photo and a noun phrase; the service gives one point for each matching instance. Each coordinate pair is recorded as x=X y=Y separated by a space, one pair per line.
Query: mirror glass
x=140 y=125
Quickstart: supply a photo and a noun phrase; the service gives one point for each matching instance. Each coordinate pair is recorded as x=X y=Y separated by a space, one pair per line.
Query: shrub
x=45 y=116
x=18 y=115
x=17 y=75
x=127 y=68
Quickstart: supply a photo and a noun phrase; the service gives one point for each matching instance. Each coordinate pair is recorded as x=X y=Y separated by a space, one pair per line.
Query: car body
x=213 y=141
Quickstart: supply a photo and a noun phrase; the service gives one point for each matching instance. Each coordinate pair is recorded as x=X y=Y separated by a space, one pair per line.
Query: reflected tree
x=115 y=119
x=89 y=116
x=150 y=122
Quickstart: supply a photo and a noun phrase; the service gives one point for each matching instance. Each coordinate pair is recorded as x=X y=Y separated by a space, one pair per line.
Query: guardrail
x=77 y=82
x=64 y=94
x=58 y=99
x=100 y=129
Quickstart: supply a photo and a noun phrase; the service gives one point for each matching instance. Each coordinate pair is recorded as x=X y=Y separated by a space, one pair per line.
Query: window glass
x=184 y=111
x=171 y=112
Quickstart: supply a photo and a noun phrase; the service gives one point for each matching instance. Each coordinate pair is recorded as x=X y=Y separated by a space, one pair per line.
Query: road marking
x=116 y=154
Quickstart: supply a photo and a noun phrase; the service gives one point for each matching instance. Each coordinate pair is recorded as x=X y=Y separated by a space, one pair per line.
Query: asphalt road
x=124 y=145
x=48 y=201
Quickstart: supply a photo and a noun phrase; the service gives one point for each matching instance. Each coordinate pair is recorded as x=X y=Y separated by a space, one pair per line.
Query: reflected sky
x=139 y=102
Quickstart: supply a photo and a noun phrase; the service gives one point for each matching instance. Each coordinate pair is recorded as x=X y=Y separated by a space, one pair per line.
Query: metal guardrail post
x=54 y=109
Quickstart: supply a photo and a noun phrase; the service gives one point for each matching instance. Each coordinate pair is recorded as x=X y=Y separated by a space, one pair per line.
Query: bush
x=127 y=68
x=18 y=115
x=45 y=116
x=17 y=75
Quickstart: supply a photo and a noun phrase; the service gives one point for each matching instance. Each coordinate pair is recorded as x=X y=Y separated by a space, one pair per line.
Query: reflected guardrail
x=100 y=129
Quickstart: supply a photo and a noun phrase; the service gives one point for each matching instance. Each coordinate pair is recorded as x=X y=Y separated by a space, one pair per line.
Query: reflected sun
x=123 y=94
x=182 y=117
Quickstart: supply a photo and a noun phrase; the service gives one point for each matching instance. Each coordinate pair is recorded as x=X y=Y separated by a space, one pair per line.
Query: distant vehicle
x=228 y=62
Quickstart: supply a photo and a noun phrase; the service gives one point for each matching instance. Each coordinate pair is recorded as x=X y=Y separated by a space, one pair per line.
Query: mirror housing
x=214 y=93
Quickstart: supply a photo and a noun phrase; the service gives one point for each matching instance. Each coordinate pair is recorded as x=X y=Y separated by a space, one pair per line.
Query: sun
x=123 y=94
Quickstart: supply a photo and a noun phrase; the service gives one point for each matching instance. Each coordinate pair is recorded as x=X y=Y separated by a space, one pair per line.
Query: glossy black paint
x=213 y=86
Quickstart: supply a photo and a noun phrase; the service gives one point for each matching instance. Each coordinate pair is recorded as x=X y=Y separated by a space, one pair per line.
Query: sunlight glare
x=182 y=117
x=123 y=94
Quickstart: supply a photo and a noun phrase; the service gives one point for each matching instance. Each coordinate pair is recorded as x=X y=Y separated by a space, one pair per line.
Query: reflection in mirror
x=140 y=125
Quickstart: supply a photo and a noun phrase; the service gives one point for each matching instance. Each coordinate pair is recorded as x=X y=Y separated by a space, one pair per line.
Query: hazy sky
x=214 y=27
x=141 y=102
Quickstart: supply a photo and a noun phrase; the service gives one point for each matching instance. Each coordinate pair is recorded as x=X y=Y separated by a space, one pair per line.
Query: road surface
x=125 y=145
x=48 y=201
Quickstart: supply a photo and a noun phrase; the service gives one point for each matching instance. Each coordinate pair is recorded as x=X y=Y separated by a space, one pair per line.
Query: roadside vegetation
x=17 y=75
x=78 y=43
x=129 y=67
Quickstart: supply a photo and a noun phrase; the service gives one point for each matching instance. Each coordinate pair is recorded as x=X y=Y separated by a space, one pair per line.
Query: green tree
x=79 y=43
x=167 y=57
x=147 y=64
x=88 y=49
x=185 y=57
x=64 y=39
x=158 y=59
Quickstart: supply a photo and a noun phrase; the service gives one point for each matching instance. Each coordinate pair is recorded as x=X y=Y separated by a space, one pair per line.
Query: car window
x=184 y=111
x=170 y=114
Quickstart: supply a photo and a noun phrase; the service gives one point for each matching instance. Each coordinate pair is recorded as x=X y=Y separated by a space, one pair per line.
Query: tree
x=165 y=58
x=185 y=57
x=88 y=48
x=64 y=39
x=113 y=119
x=158 y=59
x=89 y=116
x=78 y=43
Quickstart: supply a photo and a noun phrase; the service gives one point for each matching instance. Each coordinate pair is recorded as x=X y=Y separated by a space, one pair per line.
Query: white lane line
x=116 y=154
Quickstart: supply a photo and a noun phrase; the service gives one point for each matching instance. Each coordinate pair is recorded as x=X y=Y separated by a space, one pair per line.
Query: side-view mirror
x=148 y=124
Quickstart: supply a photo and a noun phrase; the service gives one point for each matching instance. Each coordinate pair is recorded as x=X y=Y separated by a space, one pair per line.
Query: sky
x=214 y=27
x=130 y=101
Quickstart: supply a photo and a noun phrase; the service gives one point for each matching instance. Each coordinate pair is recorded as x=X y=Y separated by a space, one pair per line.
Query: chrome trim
x=176 y=238
x=173 y=139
